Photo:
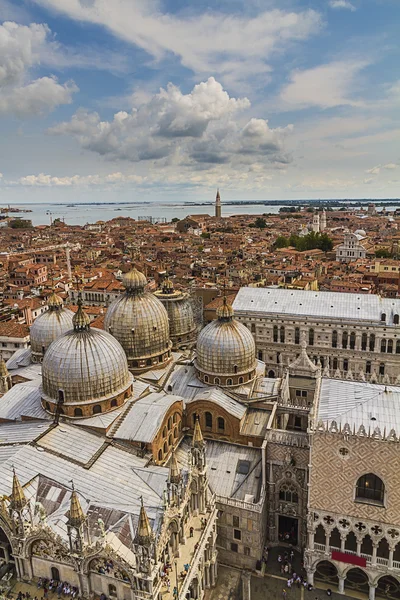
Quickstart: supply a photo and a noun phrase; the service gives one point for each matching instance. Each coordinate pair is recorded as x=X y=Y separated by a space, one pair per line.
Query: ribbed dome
x=182 y=327
x=139 y=321
x=49 y=326
x=226 y=349
x=87 y=365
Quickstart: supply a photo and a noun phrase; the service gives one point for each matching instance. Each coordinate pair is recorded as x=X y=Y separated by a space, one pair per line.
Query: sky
x=120 y=100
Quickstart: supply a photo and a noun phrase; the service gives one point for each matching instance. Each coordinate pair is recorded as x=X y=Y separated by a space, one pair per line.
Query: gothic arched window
x=371 y=488
x=288 y=493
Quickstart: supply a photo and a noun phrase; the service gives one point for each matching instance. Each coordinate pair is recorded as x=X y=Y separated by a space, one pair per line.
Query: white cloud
x=231 y=46
x=194 y=129
x=40 y=96
x=324 y=86
x=43 y=180
x=20 y=50
x=376 y=170
x=342 y=4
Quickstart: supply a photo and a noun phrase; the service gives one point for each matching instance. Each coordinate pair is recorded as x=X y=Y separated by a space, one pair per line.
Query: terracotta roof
x=218 y=302
x=14 y=329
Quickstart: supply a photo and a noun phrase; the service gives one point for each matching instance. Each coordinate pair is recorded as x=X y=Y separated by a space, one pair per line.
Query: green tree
x=260 y=223
x=20 y=224
x=175 y=220
x=206 y=235
x=281 y=242
x=383 y=253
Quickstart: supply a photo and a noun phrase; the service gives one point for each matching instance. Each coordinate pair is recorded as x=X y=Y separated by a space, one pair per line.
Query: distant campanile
x=218 y=205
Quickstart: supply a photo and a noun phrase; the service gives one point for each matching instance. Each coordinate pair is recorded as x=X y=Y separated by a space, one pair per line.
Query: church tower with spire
x=199 y=470
x=218 y=205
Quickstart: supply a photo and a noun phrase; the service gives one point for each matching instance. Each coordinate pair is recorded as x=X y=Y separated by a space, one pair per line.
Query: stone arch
x=366 y=545
x=334 y=538
x=383 y=549
x=357 y=579
x=351 y=542
x=320 y=535
x=5 y=539
x=388 y=586
x=100 y=556
x=327 y=571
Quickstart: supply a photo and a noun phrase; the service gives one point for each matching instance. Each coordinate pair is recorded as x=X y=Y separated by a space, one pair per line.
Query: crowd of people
x=61 y=588
x=285 y=561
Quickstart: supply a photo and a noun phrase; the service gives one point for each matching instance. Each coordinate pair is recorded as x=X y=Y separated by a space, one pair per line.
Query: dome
x=86 y=370
x=139 y=321
x=49 y=326
x=134 y=280
x=226 y=352
x=182 y=328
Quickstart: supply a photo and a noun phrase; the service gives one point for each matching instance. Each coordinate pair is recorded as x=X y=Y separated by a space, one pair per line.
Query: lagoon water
x=80 y=214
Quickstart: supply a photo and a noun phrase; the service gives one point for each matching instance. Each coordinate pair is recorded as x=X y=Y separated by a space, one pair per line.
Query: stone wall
x=365 y=455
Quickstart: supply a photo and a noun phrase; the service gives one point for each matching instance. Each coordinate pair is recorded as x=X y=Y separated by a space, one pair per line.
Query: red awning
x=351 y=559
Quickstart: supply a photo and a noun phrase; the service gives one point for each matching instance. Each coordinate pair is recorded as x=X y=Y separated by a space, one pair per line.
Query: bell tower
x=218 y=205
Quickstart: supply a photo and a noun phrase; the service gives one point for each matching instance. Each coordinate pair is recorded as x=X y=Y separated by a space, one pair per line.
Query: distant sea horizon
x=90 y=212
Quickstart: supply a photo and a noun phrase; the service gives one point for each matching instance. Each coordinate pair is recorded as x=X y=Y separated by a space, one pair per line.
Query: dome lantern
x=80 y=320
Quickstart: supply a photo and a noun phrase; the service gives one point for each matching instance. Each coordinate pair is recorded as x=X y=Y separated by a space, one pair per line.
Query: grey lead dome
x=139 y=321
x=49 y=326
x=226 y=352
x=86 y=366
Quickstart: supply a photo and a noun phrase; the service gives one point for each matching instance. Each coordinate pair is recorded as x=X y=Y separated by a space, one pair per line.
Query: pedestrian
x=284 y=594
x=286 y=568
x=279 y=558
x=291 y=555
x=191 y=530
x=289 y=583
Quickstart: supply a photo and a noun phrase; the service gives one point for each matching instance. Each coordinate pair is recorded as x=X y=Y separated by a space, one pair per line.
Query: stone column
x=327 y=537
x=207 y=576
x=372 y=589
x=342 y=542
x=202 y=508
x=29 y=568
x=391 y=552
x=311 y=535
x=358 y=341
x=341 y=584
x=359 y=542
x=310 y=576
x=374 y=551
x=182 y=538
x=246 y=585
